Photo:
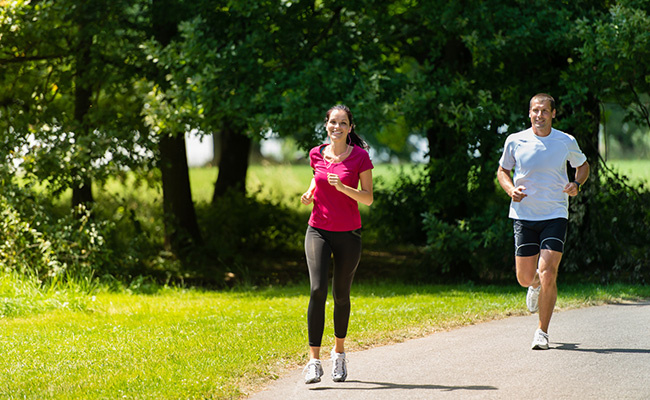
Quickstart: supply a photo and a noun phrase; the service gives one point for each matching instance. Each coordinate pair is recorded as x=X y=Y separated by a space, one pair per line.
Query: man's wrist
x=578 y=184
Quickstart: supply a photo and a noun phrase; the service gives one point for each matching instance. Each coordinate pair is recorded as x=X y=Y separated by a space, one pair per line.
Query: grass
x=22 y=296
x=223 y=345
x=285 y=183
x=637 y=171
x=282 y=183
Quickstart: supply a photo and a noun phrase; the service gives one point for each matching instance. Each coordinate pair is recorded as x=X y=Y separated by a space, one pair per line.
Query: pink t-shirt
x=333 y=210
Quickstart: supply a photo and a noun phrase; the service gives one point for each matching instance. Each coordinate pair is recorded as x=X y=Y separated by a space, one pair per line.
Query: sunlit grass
x=636 y=170
x=24 y=295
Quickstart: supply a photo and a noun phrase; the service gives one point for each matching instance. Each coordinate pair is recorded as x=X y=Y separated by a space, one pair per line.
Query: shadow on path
x=644 y=303
x=403 y=386
x=575 y=347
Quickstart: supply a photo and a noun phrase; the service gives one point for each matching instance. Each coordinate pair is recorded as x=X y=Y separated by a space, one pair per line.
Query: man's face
x=541 y=116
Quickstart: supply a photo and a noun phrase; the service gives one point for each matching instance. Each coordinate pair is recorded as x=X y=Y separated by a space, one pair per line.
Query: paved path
x=596 y=353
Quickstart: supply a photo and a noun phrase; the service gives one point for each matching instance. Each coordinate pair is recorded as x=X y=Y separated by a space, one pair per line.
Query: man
x=540 y=191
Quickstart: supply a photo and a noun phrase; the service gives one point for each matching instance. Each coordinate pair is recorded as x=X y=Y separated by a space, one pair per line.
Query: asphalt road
x=596 y=353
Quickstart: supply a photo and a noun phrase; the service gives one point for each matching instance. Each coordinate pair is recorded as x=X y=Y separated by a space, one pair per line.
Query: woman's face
x=338 y=126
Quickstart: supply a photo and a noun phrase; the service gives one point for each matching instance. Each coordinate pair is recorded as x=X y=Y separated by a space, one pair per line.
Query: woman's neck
x=338 y=148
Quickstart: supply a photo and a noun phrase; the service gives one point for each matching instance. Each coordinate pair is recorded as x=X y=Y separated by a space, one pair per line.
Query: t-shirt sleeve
x=366 y=164
x=312 y=157
x=507 y=160
x=576 y=156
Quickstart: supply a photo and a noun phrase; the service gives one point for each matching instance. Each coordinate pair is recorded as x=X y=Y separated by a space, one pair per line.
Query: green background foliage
x=96 y=93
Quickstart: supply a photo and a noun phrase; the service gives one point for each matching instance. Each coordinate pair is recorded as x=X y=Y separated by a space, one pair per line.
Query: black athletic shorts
x=531 y=236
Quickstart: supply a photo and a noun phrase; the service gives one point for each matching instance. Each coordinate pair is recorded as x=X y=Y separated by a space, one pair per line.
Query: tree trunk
x=181 y=227
x=82 y=193
x=235 y=150
x=216 y=149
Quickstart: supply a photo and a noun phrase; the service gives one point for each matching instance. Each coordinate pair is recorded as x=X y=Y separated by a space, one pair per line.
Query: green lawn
x=636 y=170
x=222 y=345
x=284 y=183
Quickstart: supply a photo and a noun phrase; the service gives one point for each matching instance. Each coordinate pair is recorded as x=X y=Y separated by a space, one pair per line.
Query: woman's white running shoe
x=314 y=370
x=339 y=369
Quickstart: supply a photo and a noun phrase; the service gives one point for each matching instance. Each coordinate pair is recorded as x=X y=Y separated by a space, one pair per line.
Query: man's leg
x=526 y=270
x=549 y=262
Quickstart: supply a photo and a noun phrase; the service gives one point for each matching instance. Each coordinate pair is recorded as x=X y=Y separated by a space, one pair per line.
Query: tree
x=71 y=108
x=182 y=232
x=255 y=66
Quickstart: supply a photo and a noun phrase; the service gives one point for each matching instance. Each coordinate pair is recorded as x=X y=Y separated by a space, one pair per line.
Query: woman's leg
x=347 y=253
x=318 y=254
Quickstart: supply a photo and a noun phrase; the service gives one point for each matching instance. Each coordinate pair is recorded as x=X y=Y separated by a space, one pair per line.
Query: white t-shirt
x=539 y=164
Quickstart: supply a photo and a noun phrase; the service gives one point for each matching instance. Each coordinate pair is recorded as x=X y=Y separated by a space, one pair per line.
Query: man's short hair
x=542 y=97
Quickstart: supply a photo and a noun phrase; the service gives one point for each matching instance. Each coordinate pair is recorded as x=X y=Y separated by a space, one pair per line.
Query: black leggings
x=319 y=247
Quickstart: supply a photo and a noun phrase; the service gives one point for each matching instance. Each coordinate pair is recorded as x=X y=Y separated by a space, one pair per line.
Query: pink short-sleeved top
x=333 y=210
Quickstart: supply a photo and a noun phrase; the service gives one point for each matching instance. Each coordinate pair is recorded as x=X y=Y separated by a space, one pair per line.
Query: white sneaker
x=314 y=370
x=339 y=369
x=532 y=298
x=540 y=341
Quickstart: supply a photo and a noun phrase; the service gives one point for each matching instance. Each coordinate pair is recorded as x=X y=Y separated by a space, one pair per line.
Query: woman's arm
x=308 y=196
x=363 y=195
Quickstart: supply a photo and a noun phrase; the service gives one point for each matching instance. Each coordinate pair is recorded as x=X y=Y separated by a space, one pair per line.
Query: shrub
x=396 y=213
x=248 y=237
x=608 y=237
x=34 y=240
x=477 y=248
x=41 y=240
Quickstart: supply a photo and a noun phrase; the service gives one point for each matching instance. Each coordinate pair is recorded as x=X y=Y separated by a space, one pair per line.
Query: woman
x=334 y=229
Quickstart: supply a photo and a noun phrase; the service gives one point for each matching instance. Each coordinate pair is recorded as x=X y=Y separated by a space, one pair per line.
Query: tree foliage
x=90 y=89
x=70 y=107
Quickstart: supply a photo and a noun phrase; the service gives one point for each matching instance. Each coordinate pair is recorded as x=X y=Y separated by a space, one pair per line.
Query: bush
x=396 y=213
x=38 y=239
x=34 y=240
x=248 y=239
x=478 y=248
x=608 y=237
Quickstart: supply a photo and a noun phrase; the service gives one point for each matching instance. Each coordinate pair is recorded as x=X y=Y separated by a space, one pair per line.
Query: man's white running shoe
x=314 y=370
x=339 y=369
x=540 y=341
x=532 y=298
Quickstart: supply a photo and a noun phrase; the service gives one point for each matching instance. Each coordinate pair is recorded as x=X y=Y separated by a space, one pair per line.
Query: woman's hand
x=334 y=180
x=307 y=197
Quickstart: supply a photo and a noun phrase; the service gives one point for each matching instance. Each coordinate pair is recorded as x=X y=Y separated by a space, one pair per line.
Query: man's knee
x=548 y=277
x=525 y=281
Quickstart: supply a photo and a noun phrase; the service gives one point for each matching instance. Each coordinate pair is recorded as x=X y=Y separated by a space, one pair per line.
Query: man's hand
x=518 y=194
x=571 y=189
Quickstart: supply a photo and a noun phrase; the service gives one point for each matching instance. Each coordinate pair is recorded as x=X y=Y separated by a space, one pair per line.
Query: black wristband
x=578 y=184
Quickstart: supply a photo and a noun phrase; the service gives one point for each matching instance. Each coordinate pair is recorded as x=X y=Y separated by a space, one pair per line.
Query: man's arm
x=582 y=174
x=505 y=180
